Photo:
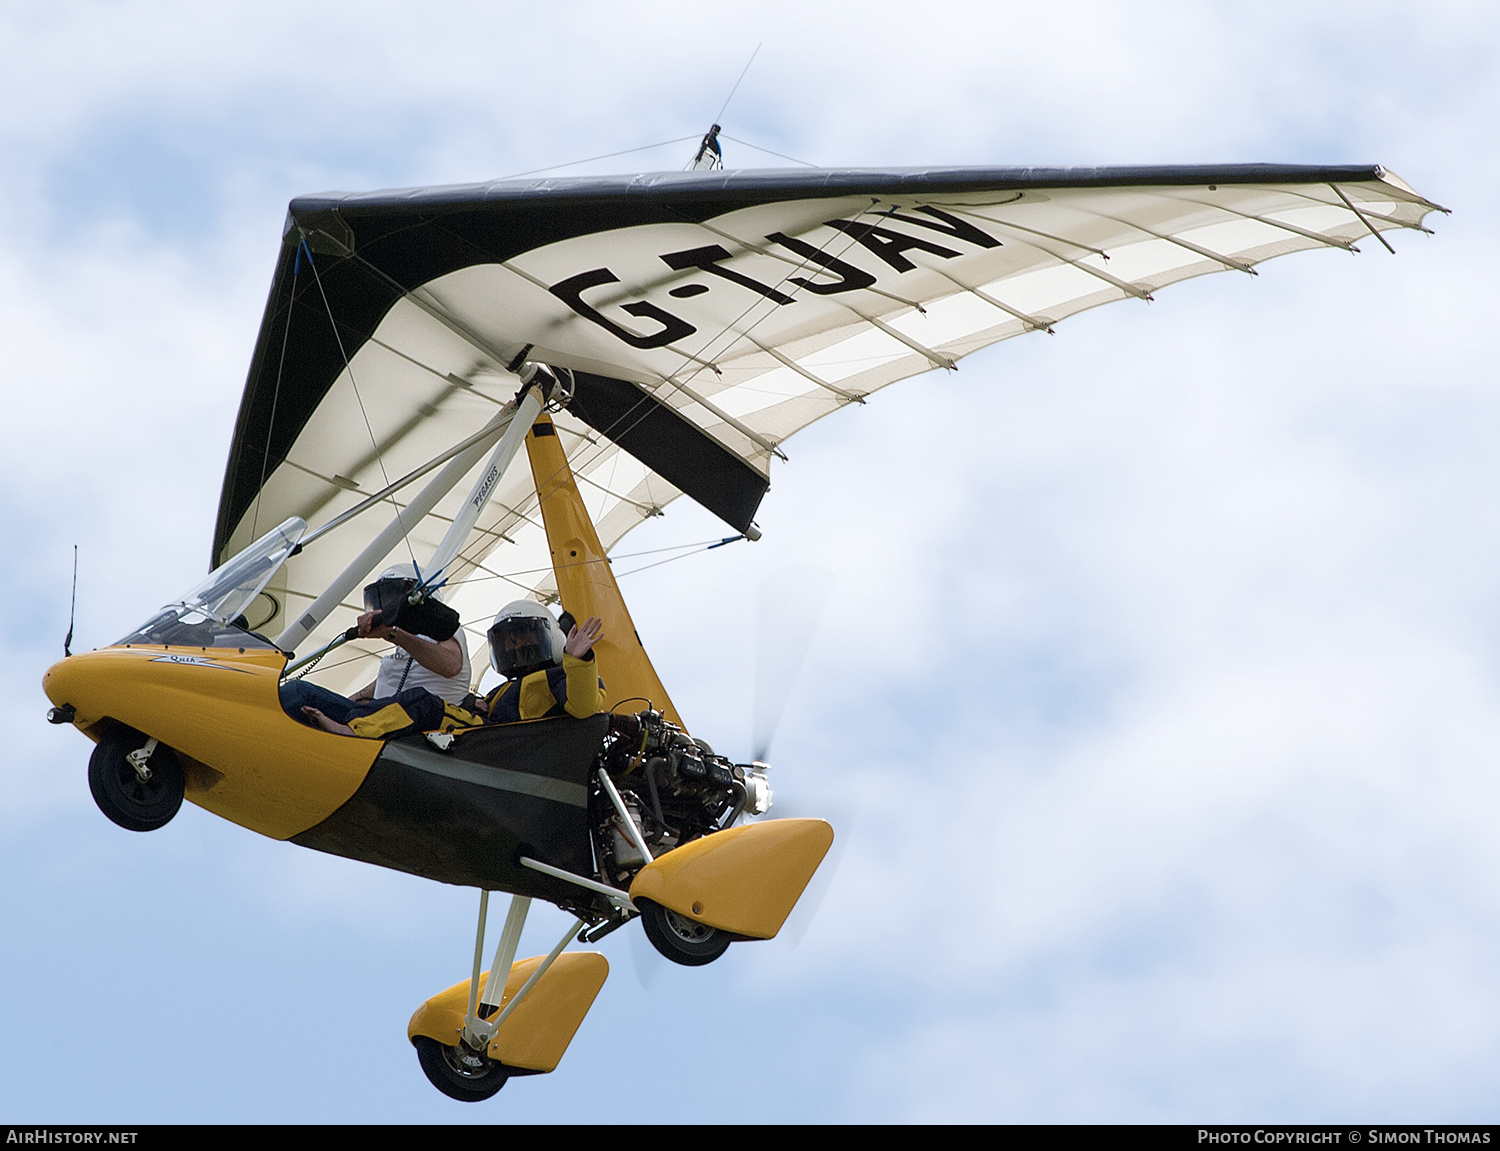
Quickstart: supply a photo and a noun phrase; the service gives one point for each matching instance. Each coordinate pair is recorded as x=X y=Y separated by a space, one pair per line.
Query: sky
x=1156 y=705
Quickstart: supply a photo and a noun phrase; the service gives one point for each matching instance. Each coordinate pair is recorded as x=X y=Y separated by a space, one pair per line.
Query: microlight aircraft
x=636 y=338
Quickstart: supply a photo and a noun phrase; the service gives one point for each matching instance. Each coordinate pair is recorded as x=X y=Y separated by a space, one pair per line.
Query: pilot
x=430 y=650
x=546 y=675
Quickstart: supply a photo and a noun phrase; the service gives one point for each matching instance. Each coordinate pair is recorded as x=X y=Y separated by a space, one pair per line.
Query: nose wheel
x=459 y=1072
x=680 y=939
x=136 y=782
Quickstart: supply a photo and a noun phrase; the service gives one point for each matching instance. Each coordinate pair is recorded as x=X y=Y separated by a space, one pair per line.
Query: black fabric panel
x=462 y=832
x=671 y=446
x=408 y=237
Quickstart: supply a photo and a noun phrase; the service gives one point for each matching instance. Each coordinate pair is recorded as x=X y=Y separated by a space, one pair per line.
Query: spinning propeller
x=789 y=609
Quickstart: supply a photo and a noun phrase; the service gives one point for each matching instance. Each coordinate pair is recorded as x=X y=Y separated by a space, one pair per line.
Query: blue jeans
x=298 y=693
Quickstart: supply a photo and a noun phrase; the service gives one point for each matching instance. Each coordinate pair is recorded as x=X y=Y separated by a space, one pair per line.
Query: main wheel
x=133 y=803
x=679 y=938
x=459 y=1072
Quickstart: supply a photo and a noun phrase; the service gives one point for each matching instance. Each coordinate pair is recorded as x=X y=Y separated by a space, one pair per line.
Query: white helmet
x=524 y=638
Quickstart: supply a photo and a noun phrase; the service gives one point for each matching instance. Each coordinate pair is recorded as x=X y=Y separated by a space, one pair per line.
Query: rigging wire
x=706 y=545
x=709 y=155
x=719 y=118
x=686 y=549
x=348 y=367
x=291 y=304
x=674 y=559
x=767 y=151
x=591 y=159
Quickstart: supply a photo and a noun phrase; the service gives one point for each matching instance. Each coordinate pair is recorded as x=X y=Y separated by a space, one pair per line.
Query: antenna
x=710 y=156
x=73 y=607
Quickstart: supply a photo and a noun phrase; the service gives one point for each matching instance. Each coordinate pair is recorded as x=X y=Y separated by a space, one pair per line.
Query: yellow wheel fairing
x=745 y=880
x=538 y=1032
x=245 y=759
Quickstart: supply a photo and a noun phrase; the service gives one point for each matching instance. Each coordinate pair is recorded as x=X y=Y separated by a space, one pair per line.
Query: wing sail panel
x=707 y=317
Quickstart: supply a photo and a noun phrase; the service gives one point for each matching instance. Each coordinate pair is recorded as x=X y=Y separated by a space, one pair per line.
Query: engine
x=675 y=787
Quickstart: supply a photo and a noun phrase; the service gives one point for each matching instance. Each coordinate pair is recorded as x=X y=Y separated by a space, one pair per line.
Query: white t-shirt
x=402 y=664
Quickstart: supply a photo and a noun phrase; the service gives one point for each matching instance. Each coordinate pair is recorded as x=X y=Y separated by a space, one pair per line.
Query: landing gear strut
x=464 y=1070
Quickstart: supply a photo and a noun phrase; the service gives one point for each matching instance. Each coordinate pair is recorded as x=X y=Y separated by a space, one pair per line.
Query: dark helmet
x=389 y=592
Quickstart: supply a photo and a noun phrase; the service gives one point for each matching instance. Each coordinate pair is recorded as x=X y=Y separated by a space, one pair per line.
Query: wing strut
x=484 y=437
x=381 y=546
x=585 y=583
x=528 y=406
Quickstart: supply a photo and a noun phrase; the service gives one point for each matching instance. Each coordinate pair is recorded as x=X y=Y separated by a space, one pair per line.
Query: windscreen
x=213 y=614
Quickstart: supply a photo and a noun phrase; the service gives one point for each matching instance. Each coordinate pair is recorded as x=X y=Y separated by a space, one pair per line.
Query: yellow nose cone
x=74 y=680
x=218 y=708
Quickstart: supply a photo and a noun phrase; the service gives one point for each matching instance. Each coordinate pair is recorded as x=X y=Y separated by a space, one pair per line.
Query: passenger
x=430 y=651
x=546 y=675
